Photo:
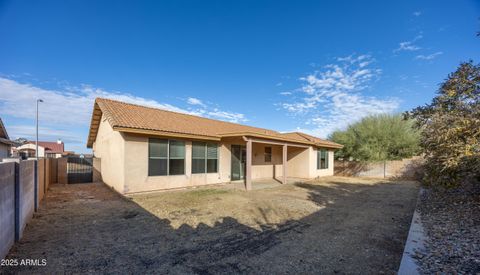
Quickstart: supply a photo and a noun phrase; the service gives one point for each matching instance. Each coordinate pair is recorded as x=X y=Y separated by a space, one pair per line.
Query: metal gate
x=79 y=170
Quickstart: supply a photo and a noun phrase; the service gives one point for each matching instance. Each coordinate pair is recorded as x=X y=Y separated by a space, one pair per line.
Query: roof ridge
x=201 y=117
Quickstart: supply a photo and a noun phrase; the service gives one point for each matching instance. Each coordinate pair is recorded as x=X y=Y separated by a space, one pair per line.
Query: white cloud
x=45 y=134
x=332 y=98
x=417 y=13
x=195 y=101
x=286 y=93
x=409 y=45
x=428 y=57
x=68 y=109
x=71 y=106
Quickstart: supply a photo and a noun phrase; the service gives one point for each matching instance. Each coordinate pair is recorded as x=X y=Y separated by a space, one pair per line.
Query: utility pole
x=36 y=142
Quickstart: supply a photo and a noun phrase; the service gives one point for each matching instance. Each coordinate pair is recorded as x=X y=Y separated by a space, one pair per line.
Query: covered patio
x=263 y=162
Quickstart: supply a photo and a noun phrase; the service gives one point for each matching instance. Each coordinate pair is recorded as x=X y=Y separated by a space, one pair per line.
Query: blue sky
x=313 y=66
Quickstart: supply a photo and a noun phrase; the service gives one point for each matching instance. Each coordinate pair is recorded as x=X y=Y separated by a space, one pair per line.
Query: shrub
x=450 y=128
x=378 y=138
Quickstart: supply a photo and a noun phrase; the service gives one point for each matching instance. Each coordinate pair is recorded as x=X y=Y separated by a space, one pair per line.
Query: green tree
x=450 y=125
x=378 y=138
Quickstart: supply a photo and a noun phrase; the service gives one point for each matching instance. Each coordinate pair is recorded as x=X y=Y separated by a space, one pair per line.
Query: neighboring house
x=48 y=149
x=146 y=149
x=5 y=142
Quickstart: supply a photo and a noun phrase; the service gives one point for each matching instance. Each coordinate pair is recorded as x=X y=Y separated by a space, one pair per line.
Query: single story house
x=46 y=149
x=5 y=142
x=146 y=149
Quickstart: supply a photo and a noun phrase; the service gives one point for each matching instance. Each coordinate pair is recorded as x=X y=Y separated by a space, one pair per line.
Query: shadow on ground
x=89 y=228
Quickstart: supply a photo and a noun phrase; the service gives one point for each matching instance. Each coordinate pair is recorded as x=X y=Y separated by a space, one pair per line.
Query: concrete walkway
x=415 y=241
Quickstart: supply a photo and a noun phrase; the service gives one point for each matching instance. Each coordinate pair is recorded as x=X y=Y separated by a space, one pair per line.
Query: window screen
x=176 y=163
x=268 y=154
x=212 y=158
x=157 y=157
x=198 y=157
x=322 y=159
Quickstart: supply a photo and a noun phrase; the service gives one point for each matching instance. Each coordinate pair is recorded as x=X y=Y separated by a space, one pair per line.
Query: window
x=322 y=159
x=204 y=157
x=50 y=155
x=268 y=154
x=176 y=157
x=198 y=157
x=166 y=157
x=212 y=158
x=157 y=157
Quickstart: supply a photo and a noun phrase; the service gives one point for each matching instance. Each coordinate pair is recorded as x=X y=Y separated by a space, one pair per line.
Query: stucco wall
x=314 y=172
x=4 y=151
x=124 y=163
x=262 y=169
x=136 y=167
x=110 y=148
x=41 y=150
x=298 y=165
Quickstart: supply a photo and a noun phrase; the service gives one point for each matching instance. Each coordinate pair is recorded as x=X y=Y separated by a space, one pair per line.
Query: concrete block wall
x=7 y=207
x=22 y=183
x=48 y=164
x=62 y=171
x=54 y=171
x=41 y=179
x=25 y=195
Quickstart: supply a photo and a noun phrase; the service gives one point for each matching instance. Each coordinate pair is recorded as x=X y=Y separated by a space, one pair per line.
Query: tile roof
x=50 y=146
x=128 y=117
x=3 y=131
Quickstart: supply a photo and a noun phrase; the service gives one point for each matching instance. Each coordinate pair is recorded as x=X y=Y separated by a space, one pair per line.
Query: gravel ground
x=452 y=222
x=336 y=225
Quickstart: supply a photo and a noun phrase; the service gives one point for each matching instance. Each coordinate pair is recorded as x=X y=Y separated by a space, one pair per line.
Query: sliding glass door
x=239 y=154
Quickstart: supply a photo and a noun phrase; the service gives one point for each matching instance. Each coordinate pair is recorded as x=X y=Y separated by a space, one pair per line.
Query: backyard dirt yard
x=334 y=225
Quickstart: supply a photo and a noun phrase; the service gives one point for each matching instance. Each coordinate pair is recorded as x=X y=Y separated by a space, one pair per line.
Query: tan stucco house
x=46 y=149
x=146 y=149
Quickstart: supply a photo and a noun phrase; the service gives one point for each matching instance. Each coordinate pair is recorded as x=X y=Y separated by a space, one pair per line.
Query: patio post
x=248 y=178
x=284 y=164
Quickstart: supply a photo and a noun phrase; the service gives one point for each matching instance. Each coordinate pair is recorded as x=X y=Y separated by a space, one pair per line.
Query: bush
x=450 y=129
x=378 y=138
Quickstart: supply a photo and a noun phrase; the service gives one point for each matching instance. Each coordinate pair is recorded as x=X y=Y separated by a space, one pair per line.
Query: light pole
x=36 y=143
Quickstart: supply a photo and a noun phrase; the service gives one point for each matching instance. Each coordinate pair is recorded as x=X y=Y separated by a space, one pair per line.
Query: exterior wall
x=124 y=163
x=314 y=172
x=136 y=167
x=298 y=165
x=41 y=150
x=110 y=148
x=262 y=169
x=4 y=151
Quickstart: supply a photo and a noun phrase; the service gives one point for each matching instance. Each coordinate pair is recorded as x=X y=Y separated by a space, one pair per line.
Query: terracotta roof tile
x=50 y=146
x=123 y=116
x=3 y=131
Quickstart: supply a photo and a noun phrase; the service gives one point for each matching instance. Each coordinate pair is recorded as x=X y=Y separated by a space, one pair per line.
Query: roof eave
x=94 y=124
x=266 y=136
x=165 y=133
